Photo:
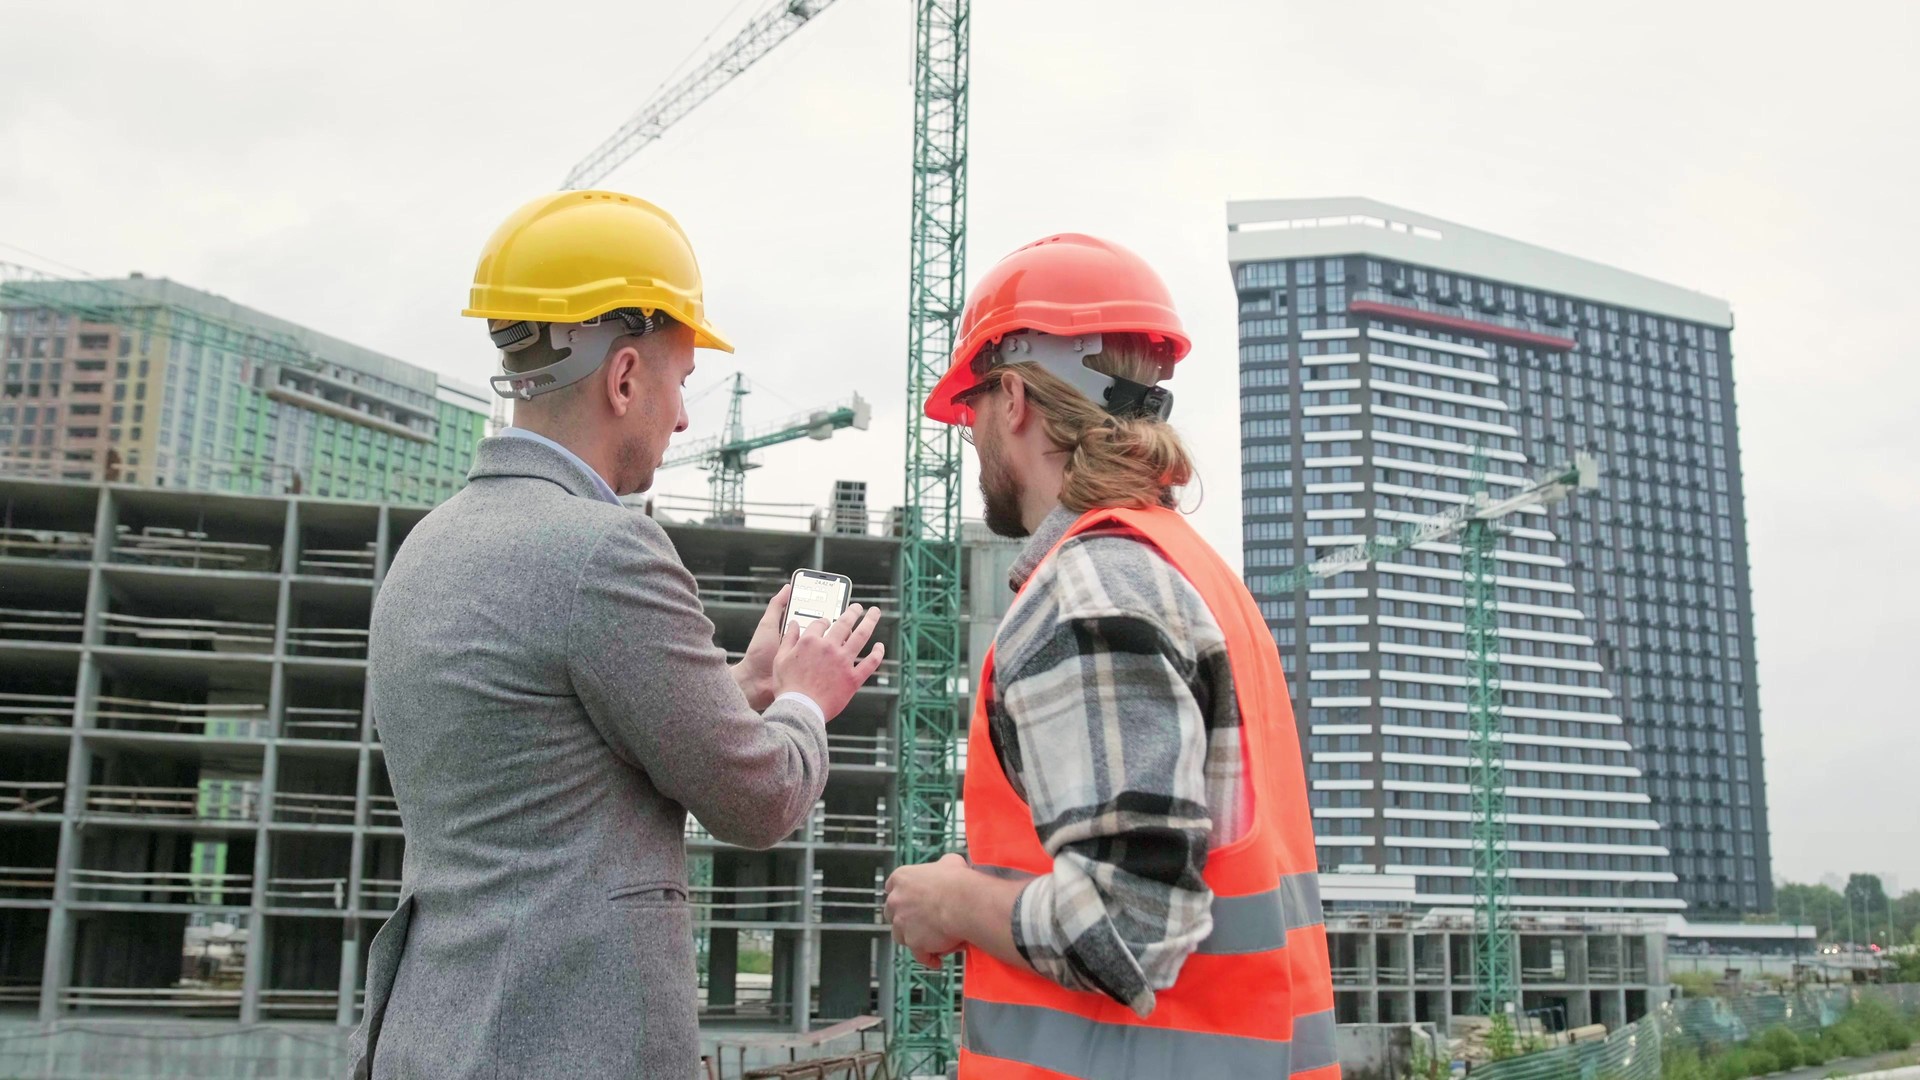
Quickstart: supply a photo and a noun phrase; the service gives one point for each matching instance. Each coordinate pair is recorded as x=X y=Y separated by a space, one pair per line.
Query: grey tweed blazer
x=552 y=705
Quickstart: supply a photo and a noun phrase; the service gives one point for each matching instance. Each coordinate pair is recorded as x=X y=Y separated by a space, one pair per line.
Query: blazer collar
x=508 y=456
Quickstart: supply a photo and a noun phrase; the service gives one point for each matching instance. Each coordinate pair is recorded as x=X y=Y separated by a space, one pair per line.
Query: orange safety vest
x=1256 y=998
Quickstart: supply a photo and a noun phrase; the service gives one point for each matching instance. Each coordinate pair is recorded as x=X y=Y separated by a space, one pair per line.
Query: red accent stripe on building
x=1455 y=322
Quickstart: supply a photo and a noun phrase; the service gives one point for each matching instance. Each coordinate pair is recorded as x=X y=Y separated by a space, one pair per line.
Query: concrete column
x=258 y=946
x=723 y=948
x=804 y=938
x=348 y=1012
x=57 y=967
x=723 y=965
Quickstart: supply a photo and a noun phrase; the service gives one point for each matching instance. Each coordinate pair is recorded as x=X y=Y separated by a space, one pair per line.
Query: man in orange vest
x=1139 y=898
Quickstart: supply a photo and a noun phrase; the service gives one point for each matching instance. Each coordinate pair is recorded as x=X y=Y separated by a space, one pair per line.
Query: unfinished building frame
x=195 y=818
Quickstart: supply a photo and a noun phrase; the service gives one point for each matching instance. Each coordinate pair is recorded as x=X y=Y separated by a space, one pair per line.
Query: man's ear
x=1019 y=409
x=621 y=376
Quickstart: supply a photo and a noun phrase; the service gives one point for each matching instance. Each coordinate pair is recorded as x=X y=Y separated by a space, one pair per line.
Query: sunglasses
x=963 y=400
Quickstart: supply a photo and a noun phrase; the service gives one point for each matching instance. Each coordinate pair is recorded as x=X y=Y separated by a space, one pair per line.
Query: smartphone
x=816 y=595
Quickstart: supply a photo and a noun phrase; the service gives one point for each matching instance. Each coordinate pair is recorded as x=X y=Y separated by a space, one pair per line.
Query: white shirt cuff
x=803 y=699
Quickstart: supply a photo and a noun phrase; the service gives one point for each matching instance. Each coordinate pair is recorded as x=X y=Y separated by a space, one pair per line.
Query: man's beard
x=632 y=464
x=1001 y=494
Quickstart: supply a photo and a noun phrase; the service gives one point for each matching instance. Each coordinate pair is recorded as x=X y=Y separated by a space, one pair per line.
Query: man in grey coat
x=550 y=698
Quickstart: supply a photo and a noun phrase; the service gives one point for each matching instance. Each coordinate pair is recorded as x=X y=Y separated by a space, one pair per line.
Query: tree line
x=1862 y=913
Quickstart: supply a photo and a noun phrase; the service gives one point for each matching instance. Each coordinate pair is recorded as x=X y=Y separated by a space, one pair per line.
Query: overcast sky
x=340 y=164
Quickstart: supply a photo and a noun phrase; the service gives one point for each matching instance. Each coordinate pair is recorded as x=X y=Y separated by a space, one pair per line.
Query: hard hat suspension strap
x=1067 y=357
x=582 y=348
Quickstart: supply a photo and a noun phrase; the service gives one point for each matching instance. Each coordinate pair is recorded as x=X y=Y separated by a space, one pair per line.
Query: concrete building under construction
x=195 y=820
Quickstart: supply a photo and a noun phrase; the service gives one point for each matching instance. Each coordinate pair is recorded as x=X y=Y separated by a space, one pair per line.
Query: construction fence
x=1634 y=1052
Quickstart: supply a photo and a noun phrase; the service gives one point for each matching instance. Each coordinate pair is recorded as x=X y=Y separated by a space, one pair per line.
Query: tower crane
x=1475 y=524
x=921 y=1011
x=728 y=455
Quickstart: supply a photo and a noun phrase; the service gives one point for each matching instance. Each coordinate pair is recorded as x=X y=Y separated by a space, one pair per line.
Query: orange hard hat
x=1065 y=285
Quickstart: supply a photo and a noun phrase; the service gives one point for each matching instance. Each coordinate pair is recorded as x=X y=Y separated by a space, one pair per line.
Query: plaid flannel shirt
x=1113 y=715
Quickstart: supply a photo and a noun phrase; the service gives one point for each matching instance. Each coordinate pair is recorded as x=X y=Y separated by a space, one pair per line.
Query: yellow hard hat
x=573 y=255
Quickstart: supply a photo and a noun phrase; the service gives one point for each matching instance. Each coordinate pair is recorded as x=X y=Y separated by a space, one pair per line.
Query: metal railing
x=383 y=812
x=295 y=892
x=158 y=546
x=851 y=828
x=336 y=641
x=37 y=710
x=34 y=880
x=205 y=635
x=319 y=722
x=300 y=1003
x=379 y=894
x=859 y=749
x=123 y=800
x=27 y=624
x=180 y=999
x=162 y=887
x=863 y=904
x=32 y=796
x=45 y=544
x=749 y=903
x=247 y=719
x=338 y=562
x=313 y=808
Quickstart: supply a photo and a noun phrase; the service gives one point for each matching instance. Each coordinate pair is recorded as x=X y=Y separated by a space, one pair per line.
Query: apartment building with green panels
x=148 y=381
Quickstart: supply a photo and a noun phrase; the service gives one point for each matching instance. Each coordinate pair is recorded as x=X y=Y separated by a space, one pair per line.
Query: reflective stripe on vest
x=1076 y=1046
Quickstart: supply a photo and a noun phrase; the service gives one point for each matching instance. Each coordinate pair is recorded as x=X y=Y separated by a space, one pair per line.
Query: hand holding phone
x=816 y=595
x=821 y=642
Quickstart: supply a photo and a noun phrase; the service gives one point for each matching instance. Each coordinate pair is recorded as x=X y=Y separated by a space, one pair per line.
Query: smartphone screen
x=816 y=595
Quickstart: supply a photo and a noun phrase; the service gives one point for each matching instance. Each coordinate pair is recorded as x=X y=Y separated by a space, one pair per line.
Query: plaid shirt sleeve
x=1103 y=718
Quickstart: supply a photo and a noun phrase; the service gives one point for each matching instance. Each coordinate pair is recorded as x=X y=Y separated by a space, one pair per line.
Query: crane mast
x=922 y=1009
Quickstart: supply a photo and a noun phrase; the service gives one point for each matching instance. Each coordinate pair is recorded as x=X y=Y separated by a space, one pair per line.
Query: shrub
x=1682 y=1064
x=1500 y=1043
x=1848 y=1039
x=1782 y=1044
x=1697 y=984
x=1813 y=1050
x=1881 y=1027
x=1727 y=1066
x=1760 y=1062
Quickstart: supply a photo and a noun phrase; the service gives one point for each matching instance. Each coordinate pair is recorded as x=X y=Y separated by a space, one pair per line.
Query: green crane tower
x=1473 y=523
x=922 y=1014
x=1486 y=768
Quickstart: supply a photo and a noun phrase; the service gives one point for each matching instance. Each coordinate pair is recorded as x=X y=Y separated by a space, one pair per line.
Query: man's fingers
x=927 y=959
x=816 y=628
x=864 y=632
x=777 y=607
x=864 y=669
x=790 y=638
x=843 y=625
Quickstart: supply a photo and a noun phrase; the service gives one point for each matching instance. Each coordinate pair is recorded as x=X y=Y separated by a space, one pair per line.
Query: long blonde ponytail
x=1137 y=462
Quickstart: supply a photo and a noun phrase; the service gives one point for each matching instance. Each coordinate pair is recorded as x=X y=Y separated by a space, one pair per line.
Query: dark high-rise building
x=1381 y=353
